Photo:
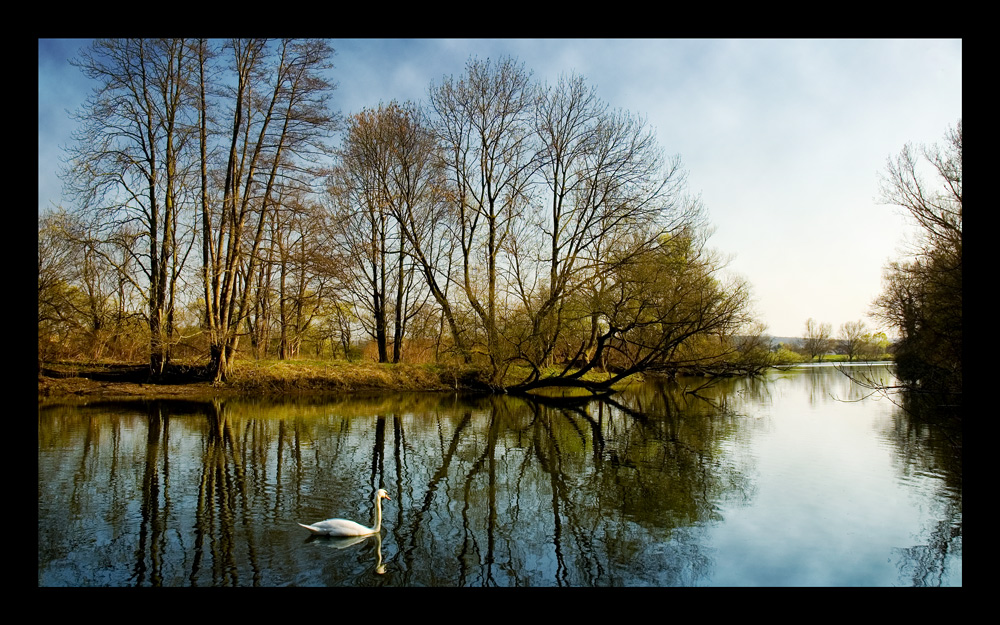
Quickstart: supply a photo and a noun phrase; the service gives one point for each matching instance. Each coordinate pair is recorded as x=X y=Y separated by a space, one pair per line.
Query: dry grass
x=302 y=375
x=250 y=377
x=263 y=378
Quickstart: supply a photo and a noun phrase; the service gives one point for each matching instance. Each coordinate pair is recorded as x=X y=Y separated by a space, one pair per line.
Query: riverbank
x=63 y=381
x=70 y=381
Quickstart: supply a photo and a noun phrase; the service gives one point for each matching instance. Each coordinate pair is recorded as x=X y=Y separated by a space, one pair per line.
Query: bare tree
x=664 y=308
x=368 y=232
x=537 y=224
x=818 y=338
x=605 y=178
x=852 y=337
x=129 y=162
x=278 y=123
x=922 y=297
x=483 y=127
x=304 y=284
x=58 y=275
x=417 y=196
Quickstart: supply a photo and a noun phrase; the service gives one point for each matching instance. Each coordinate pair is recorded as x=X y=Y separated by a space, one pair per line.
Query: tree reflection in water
x=487 y=491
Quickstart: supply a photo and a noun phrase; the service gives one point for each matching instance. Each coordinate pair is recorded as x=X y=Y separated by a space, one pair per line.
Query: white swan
x=343 y=527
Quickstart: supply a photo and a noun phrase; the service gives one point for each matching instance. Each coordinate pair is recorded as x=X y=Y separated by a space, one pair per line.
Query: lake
x=799 y=478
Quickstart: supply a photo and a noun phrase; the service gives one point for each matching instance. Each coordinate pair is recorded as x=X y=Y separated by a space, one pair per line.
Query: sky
x=783 y=139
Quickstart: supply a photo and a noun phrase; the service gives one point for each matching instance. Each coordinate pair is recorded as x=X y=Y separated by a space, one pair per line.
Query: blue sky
x=783 y=139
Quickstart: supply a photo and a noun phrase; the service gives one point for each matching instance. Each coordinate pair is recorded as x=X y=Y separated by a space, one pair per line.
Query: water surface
x=797 y=479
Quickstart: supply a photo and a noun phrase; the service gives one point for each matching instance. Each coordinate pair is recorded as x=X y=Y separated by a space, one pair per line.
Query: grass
x=249 y=377
x=279 y=377
x=788 y=357
x=323 y=375
x=289 y=376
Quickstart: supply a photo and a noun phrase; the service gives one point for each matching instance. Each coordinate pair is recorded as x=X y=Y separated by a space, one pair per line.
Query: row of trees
x=509 y=224
x=853 y=340
x=189 y=146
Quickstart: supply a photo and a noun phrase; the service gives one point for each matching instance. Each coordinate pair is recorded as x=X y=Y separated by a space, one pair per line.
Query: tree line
x=854 y=339
x=219 y=205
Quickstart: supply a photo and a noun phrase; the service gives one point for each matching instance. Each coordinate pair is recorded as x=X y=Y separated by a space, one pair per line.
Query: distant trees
x=854 y=340
x=818 y=339
x=84 y=310
x=873 y=346
x=922 y=296
x=858 y=343
x=852 y=334
x=66 y=311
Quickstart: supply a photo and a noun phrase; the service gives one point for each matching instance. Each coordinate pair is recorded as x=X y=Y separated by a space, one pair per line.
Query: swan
x=343 y=527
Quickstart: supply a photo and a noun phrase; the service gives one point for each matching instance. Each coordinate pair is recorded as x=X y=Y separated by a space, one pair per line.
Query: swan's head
x=383 y=495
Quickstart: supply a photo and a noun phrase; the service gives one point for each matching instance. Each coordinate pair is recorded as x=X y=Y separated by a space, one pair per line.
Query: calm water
x=794 y=480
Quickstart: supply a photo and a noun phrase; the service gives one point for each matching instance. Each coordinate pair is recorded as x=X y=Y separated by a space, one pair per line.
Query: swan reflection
x=343 y=542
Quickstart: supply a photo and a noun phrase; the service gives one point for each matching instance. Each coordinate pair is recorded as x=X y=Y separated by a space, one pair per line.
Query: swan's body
x=343 y=527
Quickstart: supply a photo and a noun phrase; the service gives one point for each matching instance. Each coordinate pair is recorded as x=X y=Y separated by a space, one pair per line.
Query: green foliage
x=785 y=356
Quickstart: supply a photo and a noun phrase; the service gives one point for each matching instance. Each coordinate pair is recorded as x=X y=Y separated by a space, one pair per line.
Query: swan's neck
x=378 y=515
